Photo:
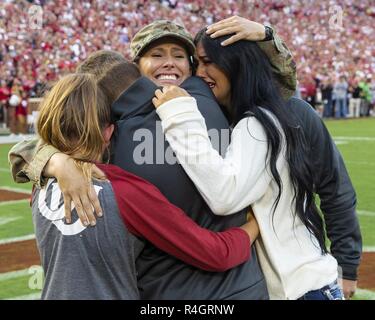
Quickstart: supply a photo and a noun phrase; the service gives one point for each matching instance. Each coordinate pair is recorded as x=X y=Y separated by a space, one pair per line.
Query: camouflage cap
x=157 y=30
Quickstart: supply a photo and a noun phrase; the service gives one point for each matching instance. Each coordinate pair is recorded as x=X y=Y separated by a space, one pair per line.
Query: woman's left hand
x=168 y=93
x=242 y=28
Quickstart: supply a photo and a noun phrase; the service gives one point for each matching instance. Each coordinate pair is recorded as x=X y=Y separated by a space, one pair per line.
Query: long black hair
x=253 y=88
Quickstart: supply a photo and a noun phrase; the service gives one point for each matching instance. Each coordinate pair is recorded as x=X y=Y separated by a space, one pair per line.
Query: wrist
x=268 y=33
x=54 y=166
x=262 y=33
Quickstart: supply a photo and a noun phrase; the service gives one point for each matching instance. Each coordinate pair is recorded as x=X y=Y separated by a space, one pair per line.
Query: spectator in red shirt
x=313 y=30
x=4 y=96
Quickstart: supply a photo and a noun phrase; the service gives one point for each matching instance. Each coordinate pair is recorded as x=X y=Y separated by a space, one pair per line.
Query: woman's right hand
x=168 y=93
x=241 y=28
x=75 y=188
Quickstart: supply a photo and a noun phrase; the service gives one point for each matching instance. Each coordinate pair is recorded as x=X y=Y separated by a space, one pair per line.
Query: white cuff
x=176 y=107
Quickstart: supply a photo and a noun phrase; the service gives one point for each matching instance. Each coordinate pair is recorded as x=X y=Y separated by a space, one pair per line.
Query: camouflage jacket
x=28 y=158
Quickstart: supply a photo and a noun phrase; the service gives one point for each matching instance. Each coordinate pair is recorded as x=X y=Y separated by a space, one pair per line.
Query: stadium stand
x=329 y=39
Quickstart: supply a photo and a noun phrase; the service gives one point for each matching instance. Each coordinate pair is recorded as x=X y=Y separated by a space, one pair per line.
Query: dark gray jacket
x=333 y=185
x=138 y=137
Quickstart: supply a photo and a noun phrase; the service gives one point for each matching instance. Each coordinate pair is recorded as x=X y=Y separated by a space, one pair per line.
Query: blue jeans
x=329 y=292
x=327 y=113
x=341 y=108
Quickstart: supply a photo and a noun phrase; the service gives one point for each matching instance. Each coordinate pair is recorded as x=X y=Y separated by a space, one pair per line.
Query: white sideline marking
x=6 y=220
x=366 y=213
x=4 y=203
x=355 y=138
x=32 y=296
x=17 y=239
x=8 y=139
x=14 y=274
x=19 y=190
x=362 y=163
x=368 y=249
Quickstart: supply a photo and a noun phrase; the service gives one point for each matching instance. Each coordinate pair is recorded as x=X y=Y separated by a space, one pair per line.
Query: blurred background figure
x=355 y=99
x=326 y=88
x=341 y=95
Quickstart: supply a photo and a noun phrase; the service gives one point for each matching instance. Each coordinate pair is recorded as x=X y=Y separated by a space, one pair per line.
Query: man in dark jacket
x=161 y=276
x=337 y=196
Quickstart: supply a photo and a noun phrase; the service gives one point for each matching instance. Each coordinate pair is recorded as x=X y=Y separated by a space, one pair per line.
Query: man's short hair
x=118 y=78
x=99 y=62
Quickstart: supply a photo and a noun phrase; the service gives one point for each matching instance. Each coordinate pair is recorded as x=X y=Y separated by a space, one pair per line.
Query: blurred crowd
x=332 y=42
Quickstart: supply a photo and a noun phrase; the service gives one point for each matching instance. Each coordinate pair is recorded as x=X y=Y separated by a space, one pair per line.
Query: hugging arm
x=280 y=57
x=35 y=161
x=27 y=160
x=227 y=184
x=147 y=213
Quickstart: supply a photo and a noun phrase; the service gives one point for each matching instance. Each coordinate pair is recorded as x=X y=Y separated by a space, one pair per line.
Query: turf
x=15 y=220
x=5 y=176
x=16 y=287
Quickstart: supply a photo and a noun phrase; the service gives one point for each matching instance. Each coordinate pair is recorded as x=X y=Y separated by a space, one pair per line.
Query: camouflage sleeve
x=282 y=63
x=27 y=160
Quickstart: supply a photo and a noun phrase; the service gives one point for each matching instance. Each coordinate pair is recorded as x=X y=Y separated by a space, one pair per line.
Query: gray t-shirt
x=84 y=262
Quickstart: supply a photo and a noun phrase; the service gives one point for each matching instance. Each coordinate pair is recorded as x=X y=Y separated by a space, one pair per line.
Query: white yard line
x=15 y=138
x=368 y=249
x=6 y=220
x=14 y=274
x=362 y=163
x=19 y=190
x=355 y=138
x=17 y=239
x=5 y=203
x=366 y=213
x=32 y=296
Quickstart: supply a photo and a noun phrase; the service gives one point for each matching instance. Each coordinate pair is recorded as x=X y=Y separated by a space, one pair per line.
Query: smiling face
x=214 y=77
x=165 y=63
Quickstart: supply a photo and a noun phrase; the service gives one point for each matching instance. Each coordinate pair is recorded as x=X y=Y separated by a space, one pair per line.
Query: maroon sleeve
x=147 y=213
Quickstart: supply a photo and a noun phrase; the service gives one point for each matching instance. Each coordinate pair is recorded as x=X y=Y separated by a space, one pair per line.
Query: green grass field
x=355 y=139
x=5 y=176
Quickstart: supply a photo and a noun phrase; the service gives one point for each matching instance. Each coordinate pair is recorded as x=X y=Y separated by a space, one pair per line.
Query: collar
x=137 y=98
x=134 y=100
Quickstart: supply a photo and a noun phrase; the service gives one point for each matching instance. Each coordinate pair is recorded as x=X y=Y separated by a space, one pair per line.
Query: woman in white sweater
x=266 y=166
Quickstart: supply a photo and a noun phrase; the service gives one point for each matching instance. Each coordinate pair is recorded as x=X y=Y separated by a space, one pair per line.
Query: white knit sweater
x=289 y=255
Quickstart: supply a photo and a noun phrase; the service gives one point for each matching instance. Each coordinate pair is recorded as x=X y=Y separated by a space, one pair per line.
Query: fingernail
x=223 y=43
x=67 y=221
x=93 y=223
x=86 y=223
x=100 y=214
